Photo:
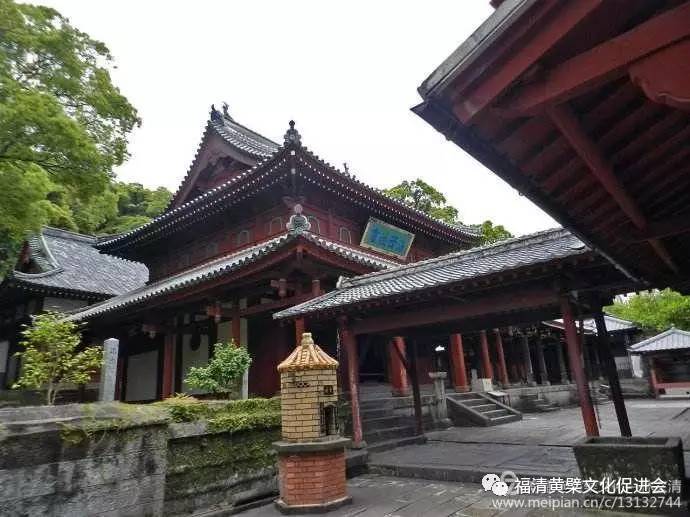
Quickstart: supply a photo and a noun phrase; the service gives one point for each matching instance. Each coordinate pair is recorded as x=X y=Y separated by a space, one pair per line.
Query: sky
x=346 y=72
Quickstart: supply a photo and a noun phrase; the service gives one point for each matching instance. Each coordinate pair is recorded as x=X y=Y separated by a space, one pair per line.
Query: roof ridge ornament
x=225 y=110
x=215 y=114
x=298 y=223
x=292 y=136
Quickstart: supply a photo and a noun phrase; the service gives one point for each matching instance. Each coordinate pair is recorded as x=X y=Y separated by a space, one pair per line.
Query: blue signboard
x=386 y=238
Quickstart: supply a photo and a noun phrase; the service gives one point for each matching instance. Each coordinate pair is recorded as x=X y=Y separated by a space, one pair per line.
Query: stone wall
x=218 y=470
x=119 y=459
x=80 y=460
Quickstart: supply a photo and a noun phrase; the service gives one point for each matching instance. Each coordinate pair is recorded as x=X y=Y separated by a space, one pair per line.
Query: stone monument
x=311 y=455
x=106 y=391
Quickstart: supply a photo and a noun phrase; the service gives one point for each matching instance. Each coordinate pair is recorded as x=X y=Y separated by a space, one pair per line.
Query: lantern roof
x=307 y=356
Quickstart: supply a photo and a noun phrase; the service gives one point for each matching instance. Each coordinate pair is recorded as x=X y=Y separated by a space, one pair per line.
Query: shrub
x=226 y=367
x=52 y=358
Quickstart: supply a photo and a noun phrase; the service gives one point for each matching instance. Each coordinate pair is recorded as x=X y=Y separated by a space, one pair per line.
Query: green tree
x=63 y=124
x=654 y=310
x=422 y=196
x=220 y=375
x=491 y=233
x=52 y=357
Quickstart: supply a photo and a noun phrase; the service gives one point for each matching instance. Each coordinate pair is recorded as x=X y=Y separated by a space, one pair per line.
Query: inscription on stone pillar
x=106 y=392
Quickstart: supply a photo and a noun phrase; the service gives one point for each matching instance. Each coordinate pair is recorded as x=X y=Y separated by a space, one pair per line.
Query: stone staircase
x=388 y=422
x=478 y=409
x=534 y=402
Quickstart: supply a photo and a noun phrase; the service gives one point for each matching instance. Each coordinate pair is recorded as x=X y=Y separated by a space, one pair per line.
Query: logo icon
x=499 y=485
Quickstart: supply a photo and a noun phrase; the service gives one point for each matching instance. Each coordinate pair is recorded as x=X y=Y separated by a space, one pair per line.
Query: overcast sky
x=347 y=72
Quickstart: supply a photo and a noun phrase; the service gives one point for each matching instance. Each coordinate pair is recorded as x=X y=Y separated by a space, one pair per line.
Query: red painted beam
x=601 y=63
x=446 y=312
x=567 y=122
x=668 y=228
x=551 y=28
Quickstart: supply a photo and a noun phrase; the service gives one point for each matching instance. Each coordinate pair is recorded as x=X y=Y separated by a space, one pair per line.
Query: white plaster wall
x=142 y=373
x=198 y=357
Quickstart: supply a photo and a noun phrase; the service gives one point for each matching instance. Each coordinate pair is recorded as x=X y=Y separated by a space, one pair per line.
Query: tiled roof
x=613 y=324
x=242 y=138
x=224 y=265
x=69 y=263
x=456 y=267
x=307 y=356
x=671 y=339
x=276 y=163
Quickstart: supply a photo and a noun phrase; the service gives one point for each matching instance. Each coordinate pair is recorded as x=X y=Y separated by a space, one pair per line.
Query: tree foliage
x=220 y=375
x=491 y=233
x=63 y=124
x=52 y=357
x=422 y=196
x=122 y=207
x=654 y=310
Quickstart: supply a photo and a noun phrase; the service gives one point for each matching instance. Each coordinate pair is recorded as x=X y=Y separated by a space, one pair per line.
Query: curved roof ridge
x=469 y=231
x=195 y=201
x=496 y=247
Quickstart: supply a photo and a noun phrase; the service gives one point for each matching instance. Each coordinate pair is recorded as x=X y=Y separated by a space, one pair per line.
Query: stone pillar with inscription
x=106 y=391
x=311 y=455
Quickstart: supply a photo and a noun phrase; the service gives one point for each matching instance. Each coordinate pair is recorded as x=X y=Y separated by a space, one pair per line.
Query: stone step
x=494 y=413
x=389 y=433
x=387 y=445
x=473 y=402
x=504 y=419
x=368 y=414
x=487 y=406
x=373 y=424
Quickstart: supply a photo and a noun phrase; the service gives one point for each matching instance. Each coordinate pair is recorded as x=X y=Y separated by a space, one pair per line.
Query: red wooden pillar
x=457 y=363
x=502 y=370
x=299 y=329
x=578 y=372
x=398 y=375
x=349 y=341
x=168 y=366
x=235 y=328
x=487 y=369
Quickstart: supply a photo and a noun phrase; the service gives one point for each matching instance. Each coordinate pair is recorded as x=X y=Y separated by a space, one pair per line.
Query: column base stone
x=287 y=509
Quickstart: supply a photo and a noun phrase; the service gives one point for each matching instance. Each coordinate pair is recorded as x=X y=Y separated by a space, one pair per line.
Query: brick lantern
x=311 y=456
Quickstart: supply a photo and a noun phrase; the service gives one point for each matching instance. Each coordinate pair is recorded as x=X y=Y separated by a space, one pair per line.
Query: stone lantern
x=311 y=455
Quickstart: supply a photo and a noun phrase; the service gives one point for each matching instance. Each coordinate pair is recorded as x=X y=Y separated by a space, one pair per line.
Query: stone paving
x=648 y=417
x=380 y=496
x=538 y=445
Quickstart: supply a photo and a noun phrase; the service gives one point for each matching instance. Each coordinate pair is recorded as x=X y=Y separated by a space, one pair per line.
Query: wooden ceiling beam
x=602 y=63
x=491 y=305
x=568 y=124
x=555 y=20
x=667 y=228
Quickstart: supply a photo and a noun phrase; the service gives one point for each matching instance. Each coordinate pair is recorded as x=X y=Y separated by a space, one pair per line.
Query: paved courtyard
x=538 y=445
x=381 y=496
